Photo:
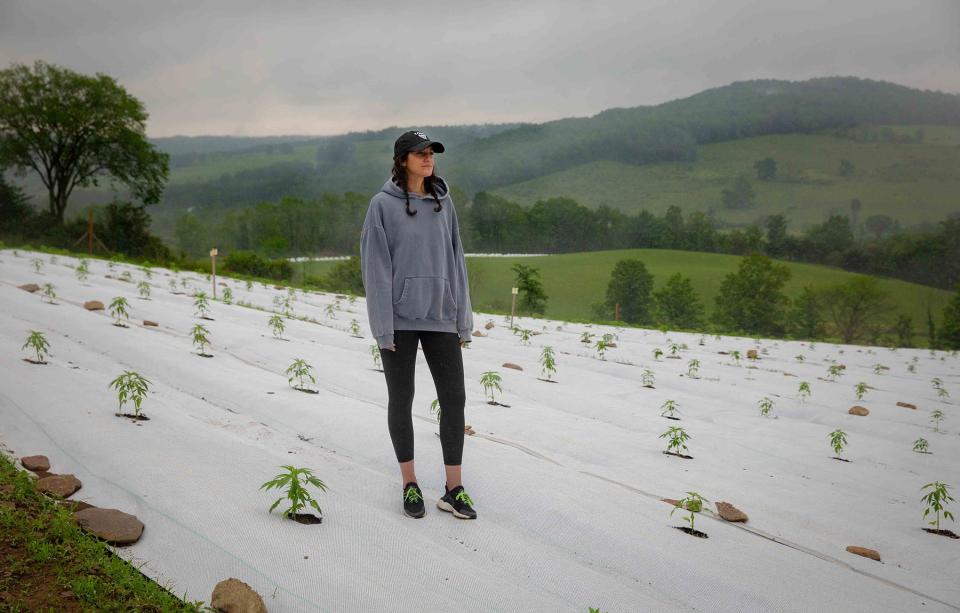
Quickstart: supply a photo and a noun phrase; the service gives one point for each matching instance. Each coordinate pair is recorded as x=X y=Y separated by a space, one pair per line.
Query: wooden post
x=213 y=269
x=616 y=312
x=513 y=305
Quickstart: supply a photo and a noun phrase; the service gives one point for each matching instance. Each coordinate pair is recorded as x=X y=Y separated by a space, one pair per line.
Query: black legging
x=445 y=359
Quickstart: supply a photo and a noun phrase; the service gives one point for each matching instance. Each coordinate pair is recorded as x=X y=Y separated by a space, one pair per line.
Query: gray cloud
x=289 y=67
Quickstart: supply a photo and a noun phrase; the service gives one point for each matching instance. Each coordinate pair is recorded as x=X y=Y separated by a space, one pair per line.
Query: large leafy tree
x=950 y=329
x=76 y=130
x=856 y=308
x=630 y=286
x=676 y=303
x=752 y=299
x=532 y=297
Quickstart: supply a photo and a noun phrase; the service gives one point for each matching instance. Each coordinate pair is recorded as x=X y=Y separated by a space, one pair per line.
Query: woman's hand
x=392 y=347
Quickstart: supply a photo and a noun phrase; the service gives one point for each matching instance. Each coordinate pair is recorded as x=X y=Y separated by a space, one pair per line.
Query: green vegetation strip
x=47 y=563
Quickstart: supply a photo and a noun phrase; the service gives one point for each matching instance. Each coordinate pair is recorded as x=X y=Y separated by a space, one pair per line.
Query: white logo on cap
x=422 y=135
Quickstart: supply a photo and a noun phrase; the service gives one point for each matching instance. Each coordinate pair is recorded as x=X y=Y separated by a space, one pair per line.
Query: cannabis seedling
x=804 y=391
x=736 y=356
x=490 y=381
x=37 y=264
x=146 y=272
x=227 y=295
x=936 y=499
x=297 y=492
x=935 y=417
x=646 y=379
x=435 y=408
x=548 y=363
x=674 y=349
x=878 y=369
x=693 y=368
x=657 y=353
x=586 y=337
x=144 y=288
x=677 y=437
x=692 y=503
x=838 y=438
x=118 y=309
x=525 y=336
x=130 y=386
x=201 y=304
x=276 y=325
x=248 y=284
x=173 y=285
x=355 y=328
x=200 y=339
x=125 y=276
x=601 y=347
x=300 y=370
x=49 y=293
x=375 y=352
x=861 y=390
x=38 y=342
x=799 y=357
x=766 y=406
x=82 y=270
x=669 y=408
x=834 y=371
x=921 y=445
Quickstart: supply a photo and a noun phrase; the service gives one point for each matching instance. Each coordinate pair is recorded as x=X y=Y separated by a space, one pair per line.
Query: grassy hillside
x=574 y=281
x=912 y=183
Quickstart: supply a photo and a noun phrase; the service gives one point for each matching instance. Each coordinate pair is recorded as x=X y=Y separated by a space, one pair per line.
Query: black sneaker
x=413 y=500
x=457 y=501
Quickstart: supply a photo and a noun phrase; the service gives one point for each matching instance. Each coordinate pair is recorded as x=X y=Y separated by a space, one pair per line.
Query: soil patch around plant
x=840 y=459
x=205 y=355
x=32 y=361
x=668 y=417
x=497 y=404
x=546 y=380
x=947 y=533
x=305 y=518
x=679 y=455
x=306 y=391
x=692 y=532
x=140 y=417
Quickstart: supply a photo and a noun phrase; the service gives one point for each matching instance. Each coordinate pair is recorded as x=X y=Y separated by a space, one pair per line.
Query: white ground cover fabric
x=566 y=482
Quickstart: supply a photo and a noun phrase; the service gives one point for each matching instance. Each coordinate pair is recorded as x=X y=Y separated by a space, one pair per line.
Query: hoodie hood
x=394 y=190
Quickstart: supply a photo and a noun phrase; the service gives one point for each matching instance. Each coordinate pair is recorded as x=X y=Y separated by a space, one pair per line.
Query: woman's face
x=420 y=163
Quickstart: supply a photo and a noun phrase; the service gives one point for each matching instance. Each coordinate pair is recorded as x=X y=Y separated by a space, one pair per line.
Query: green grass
x=576 y=280
x=48 y=563
x=909 y=182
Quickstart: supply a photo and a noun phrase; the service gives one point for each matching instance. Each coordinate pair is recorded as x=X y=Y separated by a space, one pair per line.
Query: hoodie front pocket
x=426 y=298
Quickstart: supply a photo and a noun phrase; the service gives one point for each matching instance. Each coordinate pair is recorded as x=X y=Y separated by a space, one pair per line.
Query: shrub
x=296 y=492
x=249 y=263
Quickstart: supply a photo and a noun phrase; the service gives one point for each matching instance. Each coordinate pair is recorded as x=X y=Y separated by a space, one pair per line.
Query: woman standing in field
x=415 y=278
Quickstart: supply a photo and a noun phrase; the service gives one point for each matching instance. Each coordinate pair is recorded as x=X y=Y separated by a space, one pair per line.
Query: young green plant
x=490 y=381
x=38 y=342
x=296 y=490
x=202 y=305
x=547 y=363
x=766 y=406
x=921 y=445
x=838 y=439
x=144 y=288
x=669 y=408
x=130 y=386
x=693 y=502
x=118 y=310
x=49 y=293
x=300 y=371
x=804 y=391
x=276 y=325
x=200 y=338
x=676 y=440
x=936 y=500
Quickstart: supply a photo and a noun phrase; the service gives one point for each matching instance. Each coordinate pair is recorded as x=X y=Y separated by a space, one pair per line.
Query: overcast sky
x=299 y=67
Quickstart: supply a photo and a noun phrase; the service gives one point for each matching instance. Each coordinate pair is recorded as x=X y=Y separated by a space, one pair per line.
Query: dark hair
x=400 y=178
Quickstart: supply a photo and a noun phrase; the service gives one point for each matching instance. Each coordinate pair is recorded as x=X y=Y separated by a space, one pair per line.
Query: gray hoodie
x=413 y=269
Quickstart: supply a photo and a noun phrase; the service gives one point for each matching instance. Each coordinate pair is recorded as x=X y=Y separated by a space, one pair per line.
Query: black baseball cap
x=414 y=141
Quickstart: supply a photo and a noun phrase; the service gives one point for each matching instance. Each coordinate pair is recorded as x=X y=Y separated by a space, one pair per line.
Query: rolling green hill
x=576 y=280
x=910 y=182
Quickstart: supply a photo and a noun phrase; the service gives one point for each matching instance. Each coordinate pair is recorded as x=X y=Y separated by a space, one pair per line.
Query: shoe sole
x=414 y=516
x=446 y=506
